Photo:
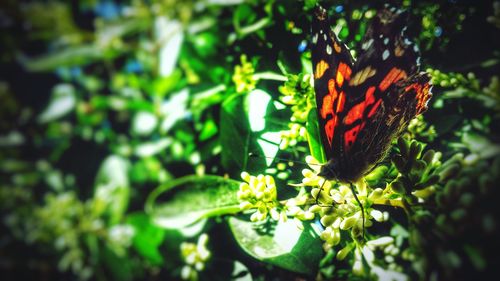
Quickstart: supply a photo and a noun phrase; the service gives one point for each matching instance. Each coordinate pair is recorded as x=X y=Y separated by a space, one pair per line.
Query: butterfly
x=364 y=104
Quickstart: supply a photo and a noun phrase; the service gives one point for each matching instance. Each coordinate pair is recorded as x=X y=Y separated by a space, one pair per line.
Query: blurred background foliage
x=106 y=106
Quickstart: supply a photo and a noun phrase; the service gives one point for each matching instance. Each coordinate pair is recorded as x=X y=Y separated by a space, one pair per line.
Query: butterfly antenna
x=251 y=154
x=317 y=195
x=360 y=205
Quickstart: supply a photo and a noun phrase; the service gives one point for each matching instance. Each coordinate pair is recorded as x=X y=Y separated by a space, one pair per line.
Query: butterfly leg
x=360 y=205
x=317 y=196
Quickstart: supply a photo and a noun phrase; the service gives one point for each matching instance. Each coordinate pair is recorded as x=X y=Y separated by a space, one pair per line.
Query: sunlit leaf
x=186 y=200
x=151 y=148
x=256 y=103
x=173 y=109
x=269 y=143
x=283 y=244
x=112 y=187
x=63 y=101
x=170 y=34
x=144 y=123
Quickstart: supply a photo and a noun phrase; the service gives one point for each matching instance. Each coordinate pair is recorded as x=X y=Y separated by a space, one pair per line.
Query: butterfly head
x=329 y=171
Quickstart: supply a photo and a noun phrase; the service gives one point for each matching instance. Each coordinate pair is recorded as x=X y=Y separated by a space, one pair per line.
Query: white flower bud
x=274 y=214
x=186 y=272
x=377 y=215
x=368 y=254
x=357 y=268
x=199 y=266
x=381 y=242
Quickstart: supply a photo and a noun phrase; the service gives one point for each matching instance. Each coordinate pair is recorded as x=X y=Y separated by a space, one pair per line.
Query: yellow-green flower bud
x=245 y=205
x=343 y=253
x=348 y=222
x=245 y=176
x=327 y=220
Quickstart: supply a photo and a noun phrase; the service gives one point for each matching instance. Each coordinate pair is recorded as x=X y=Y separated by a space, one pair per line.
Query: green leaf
x=147 y=238
x=209 y=130
x=285 y=245
x=235 y=133
x=314 y=136
x=480 y=145
x=120 y=267
x=71 y=56
x=112 y=189
x=186 y=200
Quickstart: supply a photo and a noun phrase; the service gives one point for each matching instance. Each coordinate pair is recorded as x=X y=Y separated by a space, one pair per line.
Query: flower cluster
x=291 y=137
x=258 y=193
x=419 y=172
x=385 y=244
x=243 y=76
x=338 y=208
x=453 y=80
x=419 y=129
x=299 y=94
x=195 y=256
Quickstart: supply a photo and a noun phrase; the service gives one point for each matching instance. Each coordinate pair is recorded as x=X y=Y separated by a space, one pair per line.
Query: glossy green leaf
x=186 y=200
x=314 y=137
x=283 y=244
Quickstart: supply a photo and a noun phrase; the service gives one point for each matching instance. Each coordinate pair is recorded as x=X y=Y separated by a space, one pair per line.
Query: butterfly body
x=364 y=104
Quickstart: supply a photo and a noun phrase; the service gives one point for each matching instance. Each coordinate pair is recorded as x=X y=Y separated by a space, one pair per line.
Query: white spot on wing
x=415 y=48
x=386 y=41
x=367 y=44
x=329 y=49
x=315 y=38
x=324 y=36
x=385 y=54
